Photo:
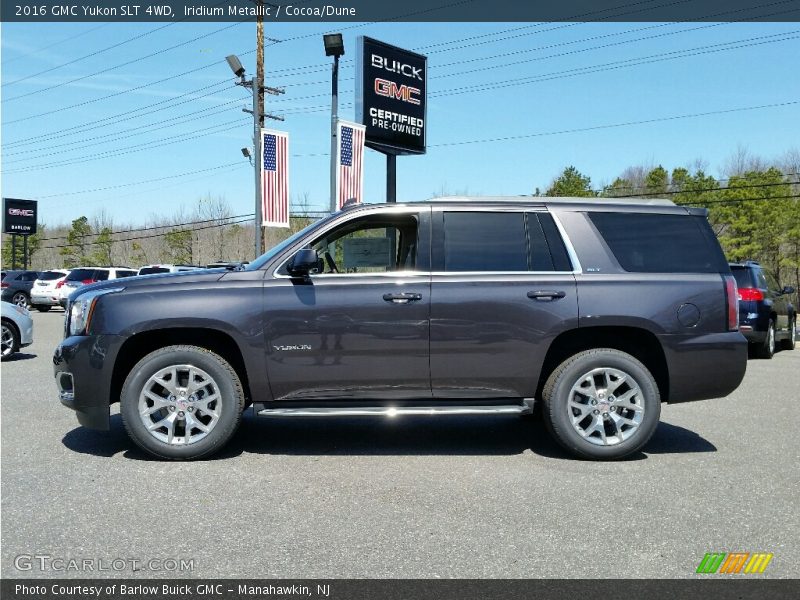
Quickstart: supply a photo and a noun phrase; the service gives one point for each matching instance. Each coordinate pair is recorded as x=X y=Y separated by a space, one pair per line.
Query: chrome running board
x=396 y=411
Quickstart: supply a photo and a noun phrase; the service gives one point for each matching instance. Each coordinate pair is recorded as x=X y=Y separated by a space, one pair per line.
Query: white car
x=152 y=269
x=81 y=276
x=17 y=329
x=46 y=290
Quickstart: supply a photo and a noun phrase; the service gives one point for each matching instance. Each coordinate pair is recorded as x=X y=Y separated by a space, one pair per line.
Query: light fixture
x=236 y=65
x=334 y=44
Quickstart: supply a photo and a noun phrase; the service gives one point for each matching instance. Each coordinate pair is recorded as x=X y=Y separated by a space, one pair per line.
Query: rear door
x=502 y=288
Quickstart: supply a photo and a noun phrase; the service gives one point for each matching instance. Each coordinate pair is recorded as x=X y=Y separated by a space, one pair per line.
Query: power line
x=128 y=149
x=130 y=62
x=61 y=41
x=738 y=200
x=614 y=125
x=133 y=183
x=697 y=191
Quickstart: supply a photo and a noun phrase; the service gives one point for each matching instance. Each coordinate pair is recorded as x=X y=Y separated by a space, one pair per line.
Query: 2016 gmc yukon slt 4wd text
x=601 y=310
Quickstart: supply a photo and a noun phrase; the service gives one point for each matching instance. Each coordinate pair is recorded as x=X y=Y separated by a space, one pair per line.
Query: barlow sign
x=391 y=85
x=19 y=216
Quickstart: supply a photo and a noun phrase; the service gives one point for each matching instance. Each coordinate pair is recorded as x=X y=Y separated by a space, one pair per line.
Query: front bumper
x=83 y=367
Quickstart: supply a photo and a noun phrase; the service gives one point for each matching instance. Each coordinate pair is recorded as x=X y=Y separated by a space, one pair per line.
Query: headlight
x=80 y=310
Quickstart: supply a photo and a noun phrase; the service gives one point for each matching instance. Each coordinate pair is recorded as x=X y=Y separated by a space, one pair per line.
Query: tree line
x=754 y=208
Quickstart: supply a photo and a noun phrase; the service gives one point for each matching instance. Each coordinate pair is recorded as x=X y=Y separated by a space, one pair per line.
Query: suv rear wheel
x=601 y=404
x=20 y=299
x=182 y=402
x=790 y=342
x=767 y=348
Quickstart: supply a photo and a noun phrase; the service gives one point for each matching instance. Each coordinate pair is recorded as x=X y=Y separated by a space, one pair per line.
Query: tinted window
x=558 y=251
x=761 y=281
x=125 y=274
x=80 y=274
x=50 y=275
x=742 y=276
x=539 y=259
x=100 y=275
x=772 y=281
x=151 y=270
x=653 y=243
x=485 y=241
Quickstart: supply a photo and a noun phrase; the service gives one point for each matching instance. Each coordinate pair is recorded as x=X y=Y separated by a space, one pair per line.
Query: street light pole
x=334 y=46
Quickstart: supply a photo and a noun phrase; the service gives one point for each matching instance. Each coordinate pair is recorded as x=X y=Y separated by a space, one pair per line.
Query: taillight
x=748 y=294
x=3 y=285
x=88 y=281
x=733 y=303
x=59 y=284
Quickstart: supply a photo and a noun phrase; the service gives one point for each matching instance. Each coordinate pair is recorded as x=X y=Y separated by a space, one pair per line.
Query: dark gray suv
x=599 y=310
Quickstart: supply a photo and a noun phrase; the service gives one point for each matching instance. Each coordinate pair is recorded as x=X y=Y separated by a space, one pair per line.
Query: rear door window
x=485 y=241
x=80 y=274
x=658 y=243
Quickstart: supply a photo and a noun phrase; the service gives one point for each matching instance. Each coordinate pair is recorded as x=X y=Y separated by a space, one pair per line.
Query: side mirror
x=304 y=263
x=788 y=289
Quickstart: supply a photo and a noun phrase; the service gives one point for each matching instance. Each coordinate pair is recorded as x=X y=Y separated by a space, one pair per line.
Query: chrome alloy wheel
x=180 y=404
x=7 y=346
x=606 y=406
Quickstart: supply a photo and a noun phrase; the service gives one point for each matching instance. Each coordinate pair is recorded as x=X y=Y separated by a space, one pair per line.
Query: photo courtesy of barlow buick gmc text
x=431 y=300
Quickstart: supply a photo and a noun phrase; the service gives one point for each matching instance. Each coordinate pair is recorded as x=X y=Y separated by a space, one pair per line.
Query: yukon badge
x=286 y=348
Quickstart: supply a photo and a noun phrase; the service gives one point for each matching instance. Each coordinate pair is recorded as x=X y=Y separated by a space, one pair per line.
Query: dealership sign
x=391 y=86
x=19 y=216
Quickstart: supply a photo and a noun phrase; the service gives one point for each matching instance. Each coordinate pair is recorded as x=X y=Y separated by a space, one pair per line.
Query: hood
x=154 y=281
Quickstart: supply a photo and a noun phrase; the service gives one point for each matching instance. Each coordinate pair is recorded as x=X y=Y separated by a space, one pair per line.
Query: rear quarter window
x=658 y=243
x=80 y=274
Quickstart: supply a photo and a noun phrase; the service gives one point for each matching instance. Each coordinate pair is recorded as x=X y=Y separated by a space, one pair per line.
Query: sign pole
x=391 y=178
x=13 y=252
x=25 y=252
x=334 y=121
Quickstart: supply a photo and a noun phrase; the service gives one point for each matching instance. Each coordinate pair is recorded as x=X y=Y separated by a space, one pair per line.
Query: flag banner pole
x=274 y=178
x=350 y=162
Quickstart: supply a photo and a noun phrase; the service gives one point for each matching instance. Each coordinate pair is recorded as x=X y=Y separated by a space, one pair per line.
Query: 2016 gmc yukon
x=601 y=310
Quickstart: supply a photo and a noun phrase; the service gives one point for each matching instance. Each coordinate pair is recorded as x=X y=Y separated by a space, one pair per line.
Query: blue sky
x=172 y=141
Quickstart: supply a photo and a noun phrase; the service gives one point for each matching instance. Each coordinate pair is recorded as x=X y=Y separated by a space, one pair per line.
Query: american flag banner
x=350 y=162
x=274 y=178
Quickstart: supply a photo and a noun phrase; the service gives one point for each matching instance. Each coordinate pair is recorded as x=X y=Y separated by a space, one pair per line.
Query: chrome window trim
x=573 y=256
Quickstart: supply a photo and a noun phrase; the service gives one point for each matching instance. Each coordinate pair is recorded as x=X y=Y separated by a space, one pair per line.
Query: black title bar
x=329 y=11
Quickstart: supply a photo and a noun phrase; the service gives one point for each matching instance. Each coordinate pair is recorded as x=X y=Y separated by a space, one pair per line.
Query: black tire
x=557 y=412
x=21 y=299
x=790 y=342
x=43 y=307
x=224 y=378
x=9 y=334
x=766 y=349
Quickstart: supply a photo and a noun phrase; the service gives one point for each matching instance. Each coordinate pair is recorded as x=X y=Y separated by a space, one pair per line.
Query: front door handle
x=546 y=295
x=402 y=298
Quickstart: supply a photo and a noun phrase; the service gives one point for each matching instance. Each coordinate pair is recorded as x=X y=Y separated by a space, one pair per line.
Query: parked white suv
x=85 y=275
x=152 y=269
x=46 y=290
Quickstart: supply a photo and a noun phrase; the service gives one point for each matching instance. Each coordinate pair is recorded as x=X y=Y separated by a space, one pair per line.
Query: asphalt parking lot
x=413 y=497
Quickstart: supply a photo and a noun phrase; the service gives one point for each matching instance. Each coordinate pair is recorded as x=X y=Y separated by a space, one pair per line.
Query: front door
x=360 y=328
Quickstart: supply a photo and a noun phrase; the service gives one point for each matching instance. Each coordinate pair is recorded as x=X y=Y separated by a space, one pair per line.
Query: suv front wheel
x=182 y=402
x=601 y=404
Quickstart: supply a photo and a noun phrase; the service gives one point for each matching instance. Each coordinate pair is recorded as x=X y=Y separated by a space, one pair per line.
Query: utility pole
x=334 y=123
x=259 y=121
x=257 y=88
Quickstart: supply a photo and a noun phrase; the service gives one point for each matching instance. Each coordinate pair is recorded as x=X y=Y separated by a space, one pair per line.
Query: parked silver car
x=17 y=329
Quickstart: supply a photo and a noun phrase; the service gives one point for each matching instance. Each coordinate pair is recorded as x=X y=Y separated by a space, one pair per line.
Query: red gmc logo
x=20 y=212
x=389 y=89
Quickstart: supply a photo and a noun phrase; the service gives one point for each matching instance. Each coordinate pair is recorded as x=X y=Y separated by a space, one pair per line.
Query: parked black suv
x=464 y=306
x=767 y=317
x=16 y=286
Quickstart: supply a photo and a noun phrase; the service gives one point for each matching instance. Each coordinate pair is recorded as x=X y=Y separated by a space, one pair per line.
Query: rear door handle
x=402 y=298
x=546 y=295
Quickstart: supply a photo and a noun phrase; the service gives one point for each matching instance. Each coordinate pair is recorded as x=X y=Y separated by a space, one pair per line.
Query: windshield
x=277 y=249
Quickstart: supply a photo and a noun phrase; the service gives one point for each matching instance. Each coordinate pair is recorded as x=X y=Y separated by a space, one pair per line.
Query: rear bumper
x=83 y=367
x=706 y=366
x=44 y=299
